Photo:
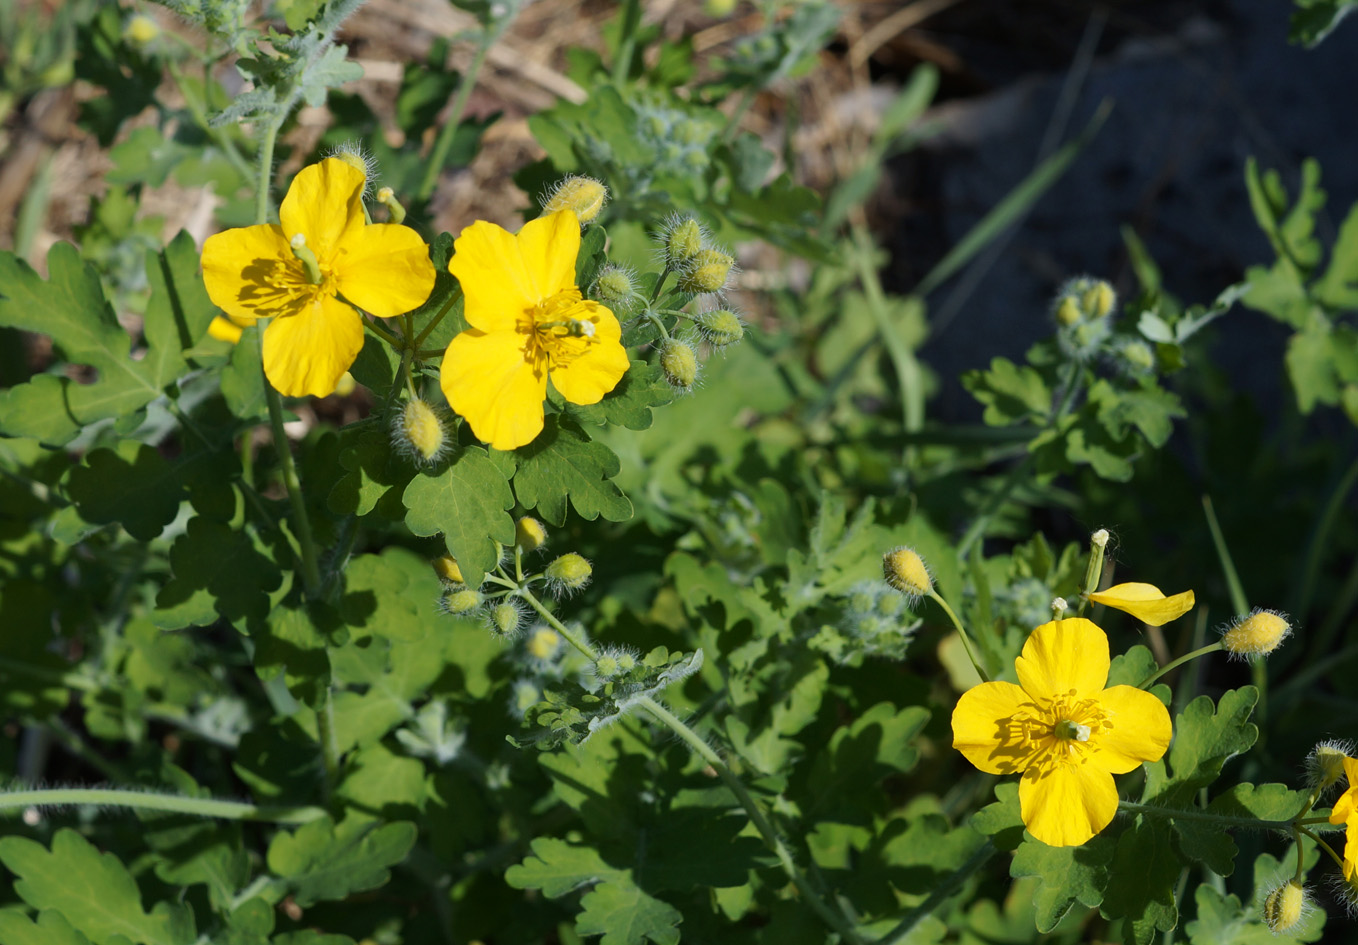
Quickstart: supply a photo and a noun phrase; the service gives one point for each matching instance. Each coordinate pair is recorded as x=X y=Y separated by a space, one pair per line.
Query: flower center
x=561 y=327
x=1061 y=727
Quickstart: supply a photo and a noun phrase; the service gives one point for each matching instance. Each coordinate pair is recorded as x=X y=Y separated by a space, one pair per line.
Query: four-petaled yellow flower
x=1063 y=730
x=308 y=273
x=1345 y=811
x=528 y=322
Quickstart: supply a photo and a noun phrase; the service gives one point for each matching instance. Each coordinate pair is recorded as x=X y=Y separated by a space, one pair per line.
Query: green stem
x=311 y=575
x=978 y=525
x=1339 y=861
x=1202 y=816
x=631 y=19
x=465 y=83
x=325 y=734
x=737 y=787
x=434 y=322
x=1201 y=651
x=733 y=123
x=170 y=803
x=219 y=135
x=961 y=631
x=1237 y=590
x=941 y=892
x=264 y=170
x=757 y=817
x=390 y=337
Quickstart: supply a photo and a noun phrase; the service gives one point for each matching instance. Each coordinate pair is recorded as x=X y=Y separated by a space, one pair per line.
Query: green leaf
x=1205 y=736
x=217 y=570
x=30 y=672
x=1338 y=288
x=243 y=377
x=381 y=784
x=629 y=403
x=1147 y=870
x=1001 y=821
x=1313 y=20
x=322 y=860
x=290 y=642
x=143 y=495
x=563 y=463
x=70 y=308
x=390 y=595
x=1009 y=393
x=1067 y=875
x=375 y=472
x=467 y=503
x=92 y=890
x=844 y=779
x=1209 y=844
x=50 y=929
x=1223 y=920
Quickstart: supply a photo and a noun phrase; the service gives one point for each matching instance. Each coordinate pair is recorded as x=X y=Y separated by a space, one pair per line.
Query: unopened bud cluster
x=1083 y=310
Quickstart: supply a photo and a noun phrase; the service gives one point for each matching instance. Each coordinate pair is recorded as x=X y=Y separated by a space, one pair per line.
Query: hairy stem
x=171 y=803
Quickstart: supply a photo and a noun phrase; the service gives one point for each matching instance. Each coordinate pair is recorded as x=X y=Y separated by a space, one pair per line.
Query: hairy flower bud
x=707 y=271
x=720 y=328
x=446 y=568
x=679 y=364
x=1285 y=907
x=529 y=534
x=505 y=617
x=683 y=242
x=544 y=643
x=418 y=434
x=140 y=29
x=905 y=570
x=357 y=157
x=584 y=195
x=614 y=285
x=568 y=573
x=1259 y=633
x=460 y=600
x=1325 y=763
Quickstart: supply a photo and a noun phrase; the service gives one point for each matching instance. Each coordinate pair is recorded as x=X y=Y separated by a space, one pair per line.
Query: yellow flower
x=1145 y=602
x=1063 y=730
x=1345 y=811
x=255 y=272
x=528 y=321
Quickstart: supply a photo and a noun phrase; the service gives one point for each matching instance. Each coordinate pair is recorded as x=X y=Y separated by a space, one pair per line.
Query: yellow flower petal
x=223 y=329
x=324 y=204
x=584 y=369
x=384 y=269
x=1065 y=805
x=1145 y=602
x=549 y=246
x=979 y=731
x=491 y=380
x=250 y=273
x=1139 y=730
x=1351 y=850
x=499 y=287
x=308 y=353
x=1063 y=655
x=1346 y=805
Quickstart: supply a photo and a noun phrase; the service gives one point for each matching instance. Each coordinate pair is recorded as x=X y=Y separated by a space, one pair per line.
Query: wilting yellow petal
x=1064 y=805
x=981 y=733
x=324 y=204
x=1145 y=602
x=384 y=269
x=499 y=287
x=1063 y=655
x=492 y=380
x=308 y=353
x=250 y=273
x=1139 y=730
x=584 y=369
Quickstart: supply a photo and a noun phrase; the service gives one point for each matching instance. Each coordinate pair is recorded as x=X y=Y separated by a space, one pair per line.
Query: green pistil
x=308 y=259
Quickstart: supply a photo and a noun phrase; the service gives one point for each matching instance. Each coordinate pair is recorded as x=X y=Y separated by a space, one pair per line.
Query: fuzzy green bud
x=529 y=534
x=905 y=570
x=568 y=573
x=1285 y=907
x=720 y=328
x=505 y=618
x=460 y=601
x=418 y=434
x=684 y=242
x=352 y=153
x=606 y=666
x=1068 y=311
x=584 y=195
x=679 y=364
x=1098 y=299
x=627 y=662
x=614 y=286
x=140 y=29
x=1325 y=764
x=707 y=271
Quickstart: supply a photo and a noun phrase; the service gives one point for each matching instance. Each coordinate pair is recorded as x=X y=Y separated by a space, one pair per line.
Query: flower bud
x=679 y=364
x=606 y=666
x=352 y=153
x=140 y=29
x=626 y=662
x=544 y=643
x=529 y=534
x=1257 y=634
x=505 y=617
x=1285 y=907
x=905 y=570
x=460 y=600
x=683 y=242
x=720 y=328
x=568 y=573
x=1097 y=300
x=446 y=568
x=1068 y=311
x=583 y=195
x=614 y=285
x=1325 y=763
x=707 y=271
x=418 y=434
